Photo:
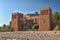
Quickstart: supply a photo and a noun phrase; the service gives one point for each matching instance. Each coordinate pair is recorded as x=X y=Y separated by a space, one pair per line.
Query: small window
x=14 y=23
x=43 y=20
x=14 y=16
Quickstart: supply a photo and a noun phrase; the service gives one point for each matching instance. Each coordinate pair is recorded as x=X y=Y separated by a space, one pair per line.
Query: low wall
x=30 y=35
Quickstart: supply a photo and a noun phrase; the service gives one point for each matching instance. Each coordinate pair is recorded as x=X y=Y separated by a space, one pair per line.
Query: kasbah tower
x=44 y=20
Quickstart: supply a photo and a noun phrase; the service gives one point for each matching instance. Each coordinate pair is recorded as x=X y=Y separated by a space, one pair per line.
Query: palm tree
x=55 y=16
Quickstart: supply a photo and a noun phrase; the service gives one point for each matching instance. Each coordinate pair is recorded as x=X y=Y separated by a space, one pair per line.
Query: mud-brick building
x=17 y=21
x=44 y=20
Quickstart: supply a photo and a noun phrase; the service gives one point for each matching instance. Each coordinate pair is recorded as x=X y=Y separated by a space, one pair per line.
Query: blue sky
x=7 y=7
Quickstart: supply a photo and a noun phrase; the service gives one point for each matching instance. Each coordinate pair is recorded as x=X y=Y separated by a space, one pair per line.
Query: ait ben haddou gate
x=44 y=20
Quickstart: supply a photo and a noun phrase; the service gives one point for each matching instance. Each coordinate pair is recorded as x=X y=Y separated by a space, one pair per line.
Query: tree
x=8 y=27
x=4 y=26
x=55 y=16
x=10 y=23
x=36 y=12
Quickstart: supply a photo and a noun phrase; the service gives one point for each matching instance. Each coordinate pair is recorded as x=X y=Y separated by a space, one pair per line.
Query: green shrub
x=57 y=28
x=35 y=27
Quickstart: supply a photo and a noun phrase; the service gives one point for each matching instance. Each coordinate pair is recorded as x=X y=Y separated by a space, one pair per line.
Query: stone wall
x=30 y=35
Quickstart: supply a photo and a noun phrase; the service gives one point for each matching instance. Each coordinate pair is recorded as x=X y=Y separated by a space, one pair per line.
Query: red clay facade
x=44 y=19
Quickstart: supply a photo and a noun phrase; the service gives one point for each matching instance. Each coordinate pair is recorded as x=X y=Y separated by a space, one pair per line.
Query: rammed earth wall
x=30 y=35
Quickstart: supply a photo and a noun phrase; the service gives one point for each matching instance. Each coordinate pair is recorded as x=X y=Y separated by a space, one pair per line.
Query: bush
x=35 y=27
x=57 y=28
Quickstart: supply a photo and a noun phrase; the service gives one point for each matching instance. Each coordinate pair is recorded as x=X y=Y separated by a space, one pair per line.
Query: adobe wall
x=30 y=35
x=45 y=19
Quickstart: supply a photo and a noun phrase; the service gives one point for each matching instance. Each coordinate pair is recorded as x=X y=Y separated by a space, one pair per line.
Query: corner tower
x=45 y=21
x=16 y=21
